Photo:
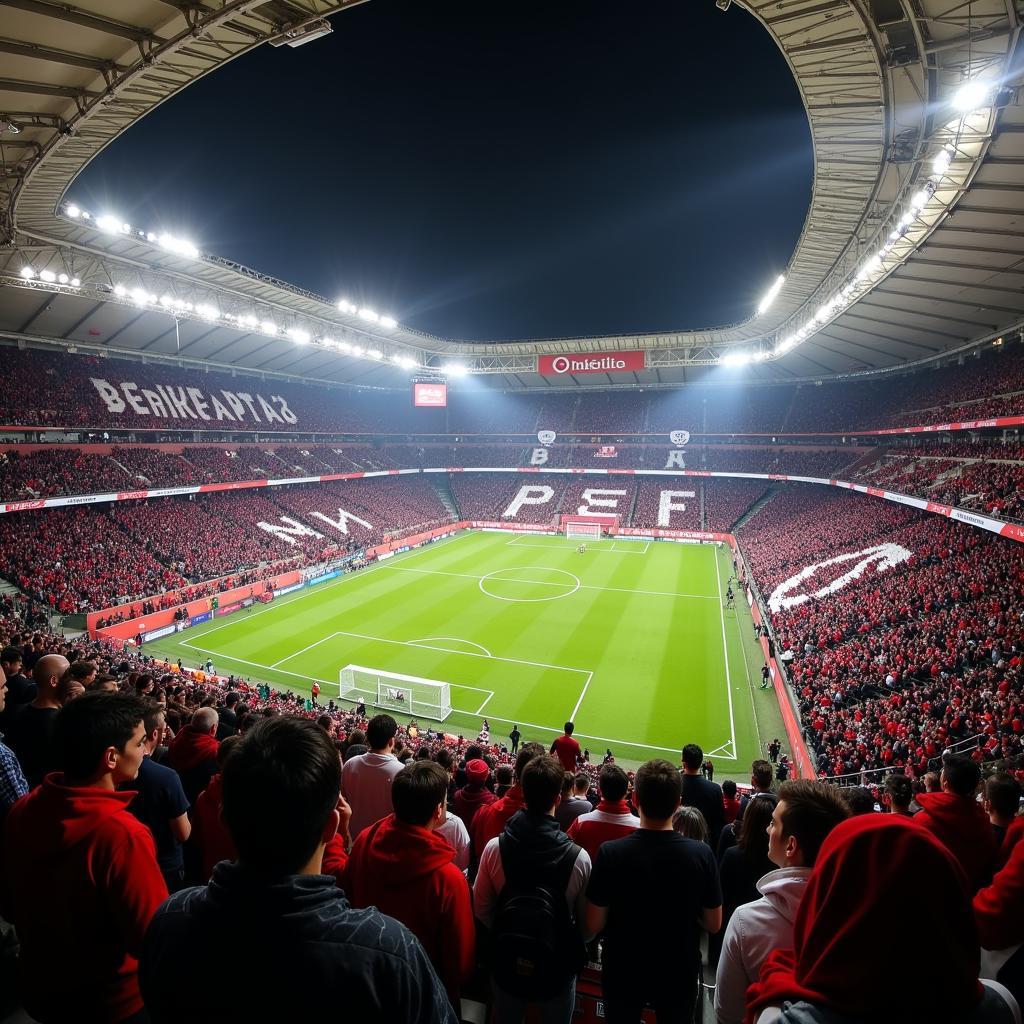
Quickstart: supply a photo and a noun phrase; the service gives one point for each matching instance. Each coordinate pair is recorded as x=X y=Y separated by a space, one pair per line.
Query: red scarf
x=874 y=874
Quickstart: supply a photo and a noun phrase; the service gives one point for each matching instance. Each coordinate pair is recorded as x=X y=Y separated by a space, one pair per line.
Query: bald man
x=31 y=732
x=193 y=753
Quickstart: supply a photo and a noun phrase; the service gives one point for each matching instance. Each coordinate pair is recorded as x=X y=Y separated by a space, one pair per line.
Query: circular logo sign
x=560 y=364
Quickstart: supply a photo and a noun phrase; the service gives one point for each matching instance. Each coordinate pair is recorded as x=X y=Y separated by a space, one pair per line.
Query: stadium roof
x=912 y=246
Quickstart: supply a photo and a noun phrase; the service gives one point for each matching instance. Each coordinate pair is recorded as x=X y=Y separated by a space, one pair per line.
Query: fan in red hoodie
x=404 y=868
x=80 y=879
x=957 y=820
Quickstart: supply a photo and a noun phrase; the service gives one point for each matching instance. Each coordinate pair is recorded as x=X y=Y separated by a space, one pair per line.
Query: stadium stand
x=896 y=663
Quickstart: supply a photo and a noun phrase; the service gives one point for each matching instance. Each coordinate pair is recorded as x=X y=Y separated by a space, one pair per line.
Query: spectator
x=689 y=822
x=402 y=866
x=611 y=819
x=956 y=819
x=32 y=733
x=80 y=872
x=649 y=893
x=354 y=745
x=761 y=777
x=1002 y=802
x=860 y=800
x=490 y=821
x=577 y=803
x=193 y=753
x=999 y=915
x=366 y=780
x=700 y=793
x=803 y=817
x=454 y=832
x=209 y=833
x=745 y=864
x=20 y=689
x=529 y=892
x=898 y=794
x=730 y=802
x=474 y=794
x=227 y=718
x=281 y=806
x=13 y=785
x=160 y=803
x=566 y=749
x=831 y=973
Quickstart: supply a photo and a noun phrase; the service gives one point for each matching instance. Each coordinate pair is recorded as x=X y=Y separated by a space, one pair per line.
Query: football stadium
x=396 y=598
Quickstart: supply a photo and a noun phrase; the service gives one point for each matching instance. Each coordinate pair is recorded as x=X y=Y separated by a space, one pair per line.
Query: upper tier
x=46 y=389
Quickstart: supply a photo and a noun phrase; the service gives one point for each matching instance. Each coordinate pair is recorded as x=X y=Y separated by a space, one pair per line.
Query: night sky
x=488 y=171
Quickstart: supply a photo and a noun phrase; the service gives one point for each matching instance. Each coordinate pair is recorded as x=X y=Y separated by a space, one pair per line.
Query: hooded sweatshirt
x=468 y=801
x=964 y=829
x=408 y=872
x=316 y=954
x=754 y=930
x=490 y=820
x=193 y=755
x=80 y=883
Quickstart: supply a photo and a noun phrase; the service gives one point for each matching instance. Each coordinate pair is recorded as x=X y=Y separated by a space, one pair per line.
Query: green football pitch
x=629 y=639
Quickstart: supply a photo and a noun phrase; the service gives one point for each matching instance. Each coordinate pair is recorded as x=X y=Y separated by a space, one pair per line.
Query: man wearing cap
x=475 y=794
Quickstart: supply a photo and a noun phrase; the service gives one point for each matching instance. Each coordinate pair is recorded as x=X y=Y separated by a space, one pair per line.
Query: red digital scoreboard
x=429 y=395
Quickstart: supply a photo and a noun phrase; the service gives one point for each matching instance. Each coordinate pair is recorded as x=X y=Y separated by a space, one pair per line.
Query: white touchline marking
x=613 y=590
x=613 y=550
x=588 y=736
x=480 y=709
x=583 y=693
x=494 y=718
x=725 y=652
x=315 y=643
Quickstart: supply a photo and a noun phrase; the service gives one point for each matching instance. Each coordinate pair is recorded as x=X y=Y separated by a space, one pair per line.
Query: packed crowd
x=58 y=390
x=897 y=653
x=173 y=819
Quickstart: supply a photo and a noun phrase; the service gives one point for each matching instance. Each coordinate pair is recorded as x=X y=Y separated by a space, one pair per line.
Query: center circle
x=547 y=590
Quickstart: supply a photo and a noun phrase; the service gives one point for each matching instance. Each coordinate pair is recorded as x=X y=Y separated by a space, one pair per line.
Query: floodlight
x=268 y=327
x=120 y=291
x=769 y=296
x=27 y=273
x=73 y=211
x=374 y=353
x=298 y=335
x=62 y=278
x=48 y=276
x=108 y=223
x=972 y=95
x=389 y=322
x=368 y=314
x=455 y=370
x=942 y=161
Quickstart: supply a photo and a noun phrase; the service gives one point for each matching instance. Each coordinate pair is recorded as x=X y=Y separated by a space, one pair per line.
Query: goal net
x=583 y=531
x=408 y=695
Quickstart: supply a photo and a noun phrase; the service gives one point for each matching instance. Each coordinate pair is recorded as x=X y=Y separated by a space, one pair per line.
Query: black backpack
x=535 y=947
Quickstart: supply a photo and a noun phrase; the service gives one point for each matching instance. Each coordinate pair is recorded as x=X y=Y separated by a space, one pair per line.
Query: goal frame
x=576 y=530
x=377 y=687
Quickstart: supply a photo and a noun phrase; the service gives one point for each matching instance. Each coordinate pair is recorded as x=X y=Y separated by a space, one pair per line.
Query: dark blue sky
x=491 y=171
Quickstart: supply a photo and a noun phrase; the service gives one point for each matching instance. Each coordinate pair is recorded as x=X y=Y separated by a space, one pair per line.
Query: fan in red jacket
x=957 y=820
x=404 y=868
x=193 y=753
x=80 y=880
x=475 y=794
